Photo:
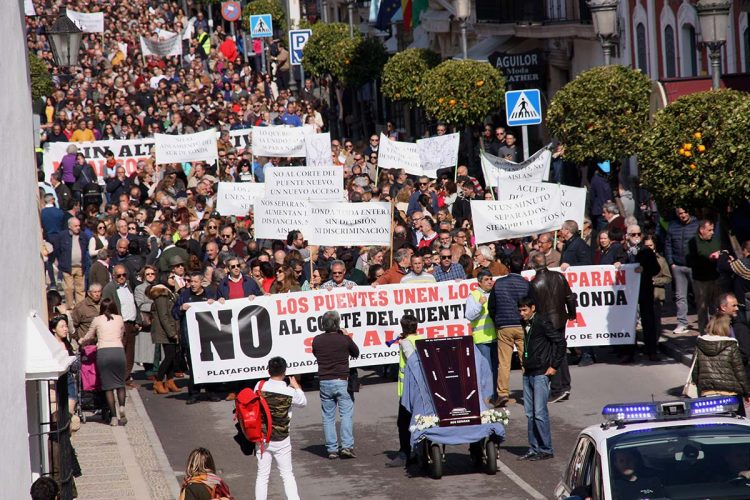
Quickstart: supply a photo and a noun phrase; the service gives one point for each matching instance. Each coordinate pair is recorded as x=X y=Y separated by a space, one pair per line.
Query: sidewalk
x=124 y=462
x=679 y=347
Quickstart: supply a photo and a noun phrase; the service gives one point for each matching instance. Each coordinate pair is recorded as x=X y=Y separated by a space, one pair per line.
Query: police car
x=688 y=449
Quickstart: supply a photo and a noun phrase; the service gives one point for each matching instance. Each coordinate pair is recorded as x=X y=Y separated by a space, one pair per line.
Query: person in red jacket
x=229 y=48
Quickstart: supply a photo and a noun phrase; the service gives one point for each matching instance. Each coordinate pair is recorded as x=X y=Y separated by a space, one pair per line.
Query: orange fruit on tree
x=452 y=102
x=480 y=83
x=701 y=148
x=697 y=135
x=681 y=151
x=688 y=154
x=687 y=146
x=693 y=166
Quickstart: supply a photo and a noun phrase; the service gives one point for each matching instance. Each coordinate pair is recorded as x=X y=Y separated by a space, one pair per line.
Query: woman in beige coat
x=107 y=329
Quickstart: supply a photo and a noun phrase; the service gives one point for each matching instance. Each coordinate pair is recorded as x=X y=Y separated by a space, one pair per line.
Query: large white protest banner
x=235 y=340
x=279 y=141
x=304 y=183
x=318 y=150
x=572 y=199
x=274 y=219
x=438 y=152
x=395 y=154
x=501 y=220
x=237 y=198
x=534 y=169
x=88 y=22
x=349 y=224
x=200 y=146
x=163 y=48
x=127 y=153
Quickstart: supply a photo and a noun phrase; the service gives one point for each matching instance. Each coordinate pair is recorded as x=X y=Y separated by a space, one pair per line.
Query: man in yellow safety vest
x=482 y=327
x=407 y=347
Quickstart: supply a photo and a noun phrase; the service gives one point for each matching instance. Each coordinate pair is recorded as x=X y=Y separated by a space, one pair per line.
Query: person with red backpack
x=276 y=400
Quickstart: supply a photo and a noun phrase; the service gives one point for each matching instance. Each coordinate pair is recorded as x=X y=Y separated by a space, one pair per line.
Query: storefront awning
x=46 y=359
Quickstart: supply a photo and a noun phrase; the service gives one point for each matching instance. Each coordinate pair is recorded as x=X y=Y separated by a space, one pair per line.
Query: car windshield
x=692 y=461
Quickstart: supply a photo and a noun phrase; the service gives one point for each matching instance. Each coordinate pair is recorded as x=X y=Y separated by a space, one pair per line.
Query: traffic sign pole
x=525 y=139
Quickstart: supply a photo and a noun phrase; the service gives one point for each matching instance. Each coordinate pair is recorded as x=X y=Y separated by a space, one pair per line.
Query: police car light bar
x=630 y=412
x=664 y=410
x=713 y=405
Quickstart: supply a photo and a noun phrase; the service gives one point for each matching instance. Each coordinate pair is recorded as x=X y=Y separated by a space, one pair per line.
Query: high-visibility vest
x=482 y=328
x=204 y=40
x=411 y=339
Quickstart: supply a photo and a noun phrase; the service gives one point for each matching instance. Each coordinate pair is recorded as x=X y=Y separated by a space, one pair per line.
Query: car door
x=581 y=468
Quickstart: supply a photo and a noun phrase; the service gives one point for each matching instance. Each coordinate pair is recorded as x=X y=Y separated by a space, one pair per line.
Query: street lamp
x=604 y=15
x=65 y=41
x=713 y=15
x=463 y=11
x=350 y=9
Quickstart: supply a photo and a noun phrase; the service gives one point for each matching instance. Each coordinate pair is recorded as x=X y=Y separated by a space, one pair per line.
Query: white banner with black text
x=235 y=340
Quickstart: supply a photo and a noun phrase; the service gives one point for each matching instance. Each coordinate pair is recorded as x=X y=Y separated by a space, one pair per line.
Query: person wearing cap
x=600 y=193
x=177 y=279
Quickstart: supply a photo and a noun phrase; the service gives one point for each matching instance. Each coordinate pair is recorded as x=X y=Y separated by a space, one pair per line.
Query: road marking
x=519 y=482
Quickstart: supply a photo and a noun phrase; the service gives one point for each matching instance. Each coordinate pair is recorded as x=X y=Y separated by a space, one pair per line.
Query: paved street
x=181 y=428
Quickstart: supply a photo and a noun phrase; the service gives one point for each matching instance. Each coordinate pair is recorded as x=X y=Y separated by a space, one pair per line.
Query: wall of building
x=22 y=284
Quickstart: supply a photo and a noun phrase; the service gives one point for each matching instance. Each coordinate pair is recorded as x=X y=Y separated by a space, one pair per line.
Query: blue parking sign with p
x=297 y=41
x=261 y=26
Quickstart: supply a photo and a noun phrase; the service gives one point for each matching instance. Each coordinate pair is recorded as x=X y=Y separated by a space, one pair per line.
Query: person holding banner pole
x=482 y=327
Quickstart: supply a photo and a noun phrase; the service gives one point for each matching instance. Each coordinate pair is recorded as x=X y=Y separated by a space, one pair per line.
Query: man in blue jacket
x=503 y=309
x=679 y=233
x=73 y=260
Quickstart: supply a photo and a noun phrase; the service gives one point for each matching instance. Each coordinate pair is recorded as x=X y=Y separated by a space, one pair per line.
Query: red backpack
x=250 y=407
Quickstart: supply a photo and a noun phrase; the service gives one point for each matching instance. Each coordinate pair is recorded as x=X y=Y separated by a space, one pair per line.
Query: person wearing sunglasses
x=648 y=267
x=120 y=292
x=338 y=280
x=448 y=270
x=424 y=188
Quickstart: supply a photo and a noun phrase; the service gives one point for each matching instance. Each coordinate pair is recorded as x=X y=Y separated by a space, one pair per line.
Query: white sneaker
x=681 y=329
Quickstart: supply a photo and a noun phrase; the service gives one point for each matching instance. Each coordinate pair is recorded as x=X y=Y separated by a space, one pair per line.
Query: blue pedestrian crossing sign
x=261 y=26
x=523 y=107
x=297 y=41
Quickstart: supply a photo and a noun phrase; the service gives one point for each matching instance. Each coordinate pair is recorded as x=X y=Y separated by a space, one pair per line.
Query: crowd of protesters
x=131 y=253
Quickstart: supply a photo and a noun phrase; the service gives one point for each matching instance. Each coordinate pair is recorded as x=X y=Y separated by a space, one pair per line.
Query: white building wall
x=22 y=284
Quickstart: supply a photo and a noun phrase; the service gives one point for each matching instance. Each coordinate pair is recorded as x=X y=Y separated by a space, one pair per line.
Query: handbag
x=690 y=389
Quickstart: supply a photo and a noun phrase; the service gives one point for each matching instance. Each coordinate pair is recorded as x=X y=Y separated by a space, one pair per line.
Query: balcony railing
x=532 y=11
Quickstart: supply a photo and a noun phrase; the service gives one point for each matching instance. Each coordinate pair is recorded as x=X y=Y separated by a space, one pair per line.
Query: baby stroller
x=90 y=396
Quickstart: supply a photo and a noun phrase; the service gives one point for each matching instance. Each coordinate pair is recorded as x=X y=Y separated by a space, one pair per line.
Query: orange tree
x=697 y=152
x=601 y=115
x=405 y=72
x=461 y=92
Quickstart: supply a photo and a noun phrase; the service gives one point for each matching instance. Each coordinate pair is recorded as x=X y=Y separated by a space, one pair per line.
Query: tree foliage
x=697 y=151
x=41 y=80
x=602 y=114
x=461 y=92
x=319 y=56
x=352 y=61
x=278 y=16
x=404 y=73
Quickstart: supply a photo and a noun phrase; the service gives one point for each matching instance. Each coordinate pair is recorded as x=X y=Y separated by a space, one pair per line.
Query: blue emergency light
x=666 y=410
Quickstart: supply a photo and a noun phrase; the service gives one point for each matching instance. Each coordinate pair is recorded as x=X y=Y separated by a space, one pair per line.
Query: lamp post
x=350 y=11
x=65 y=41
x=463 y=11
x=604 y=16
x=714 y=17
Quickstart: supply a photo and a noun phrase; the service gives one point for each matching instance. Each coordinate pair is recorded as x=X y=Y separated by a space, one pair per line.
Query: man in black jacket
x=544 y=349
x=556 y=301
x=729 y=305
x=575 y=251
x=648 y=266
